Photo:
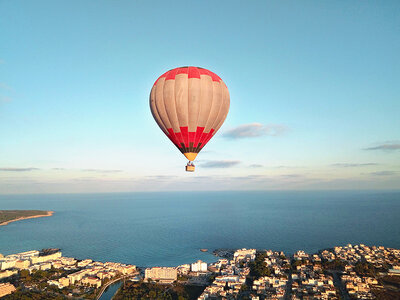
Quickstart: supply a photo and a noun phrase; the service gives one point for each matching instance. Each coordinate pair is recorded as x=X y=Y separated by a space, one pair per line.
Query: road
x=338 y=283
x=288 y=291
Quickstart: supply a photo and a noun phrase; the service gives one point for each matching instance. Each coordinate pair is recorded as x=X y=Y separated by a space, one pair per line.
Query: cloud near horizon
x=255 y=166
x=289 y=181
x=18 y=169
x=383 y=173
x=385 y=147
x=351 y=165
x=220 y=163
x=101 y=171
x=254 y=130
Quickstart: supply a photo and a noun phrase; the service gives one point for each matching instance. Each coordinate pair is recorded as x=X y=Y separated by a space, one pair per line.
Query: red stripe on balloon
x=213 y=76
x=179 y=138
x=171 y=135
x=193 y=72
x=182 y=71
x=209 y=136
x=185 y=135
x=171 y=74
x=206 y=137
x=192 y=137
x=199 y=132
x=203 y=138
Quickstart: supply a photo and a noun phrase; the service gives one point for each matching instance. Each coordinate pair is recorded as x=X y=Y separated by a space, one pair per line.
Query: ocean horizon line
x=358 y=191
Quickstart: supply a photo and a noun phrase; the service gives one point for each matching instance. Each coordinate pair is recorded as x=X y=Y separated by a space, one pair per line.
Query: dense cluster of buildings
x=305 y=276
x=30 y=260
x=84 y=273
x=170 y=274
x=93 y=273
x=273 y=286
x=328 y=274
x=387 y=260
x=308 y=279
x=232 y=275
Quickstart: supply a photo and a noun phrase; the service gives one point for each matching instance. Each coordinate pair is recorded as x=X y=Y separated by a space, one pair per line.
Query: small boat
x=203 y=250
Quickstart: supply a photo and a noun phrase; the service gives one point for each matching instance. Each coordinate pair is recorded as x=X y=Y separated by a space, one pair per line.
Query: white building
x=77 y=276
x=162 y=274
x=7 y=273
x=7 y=263
x=199 y=266
x=183 y=269
x=244 y=254
x=40 y=259
x=27 y=254
x=84 y=263
x=68 y=260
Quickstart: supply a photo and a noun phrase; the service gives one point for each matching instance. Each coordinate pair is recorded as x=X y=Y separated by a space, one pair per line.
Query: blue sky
x=314 y=94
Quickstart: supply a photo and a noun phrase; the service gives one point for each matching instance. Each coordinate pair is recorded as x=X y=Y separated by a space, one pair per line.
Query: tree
x=152 y=294
x=25 y=276
x=258 y=267
x=364 y=268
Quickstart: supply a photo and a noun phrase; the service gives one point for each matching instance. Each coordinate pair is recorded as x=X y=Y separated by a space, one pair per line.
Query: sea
x=170 y=228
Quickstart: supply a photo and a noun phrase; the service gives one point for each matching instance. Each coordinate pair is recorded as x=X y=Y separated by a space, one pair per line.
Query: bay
x=168 y=229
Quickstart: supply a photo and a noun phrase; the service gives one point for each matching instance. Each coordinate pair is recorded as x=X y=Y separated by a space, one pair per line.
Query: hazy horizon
x=356 y=191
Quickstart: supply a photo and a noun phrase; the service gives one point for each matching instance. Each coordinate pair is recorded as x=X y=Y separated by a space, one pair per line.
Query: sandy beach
x=49 y=213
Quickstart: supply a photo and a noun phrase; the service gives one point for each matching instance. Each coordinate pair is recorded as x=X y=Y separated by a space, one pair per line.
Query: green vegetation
x=183 y=278
x=31 y=295
x=143 y=290
x=37 y=276
x=336 y=264
x=40 y=276
x=35 y=284
x=392 y=280
x=9 y=215
x=385 y=294
x=364 y=269
x=258 y=268
x=298 y=262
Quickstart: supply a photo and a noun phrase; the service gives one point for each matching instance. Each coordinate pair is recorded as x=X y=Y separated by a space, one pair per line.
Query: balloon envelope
x=189 y=104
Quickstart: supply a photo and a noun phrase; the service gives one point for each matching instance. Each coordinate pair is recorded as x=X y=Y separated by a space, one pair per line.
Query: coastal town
x=342 y=272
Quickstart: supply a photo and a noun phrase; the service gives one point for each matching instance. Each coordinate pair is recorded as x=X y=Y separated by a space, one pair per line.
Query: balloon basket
x=190 y=167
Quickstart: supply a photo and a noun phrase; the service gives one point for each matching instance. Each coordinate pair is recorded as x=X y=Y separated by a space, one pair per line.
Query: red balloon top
x=193 y=72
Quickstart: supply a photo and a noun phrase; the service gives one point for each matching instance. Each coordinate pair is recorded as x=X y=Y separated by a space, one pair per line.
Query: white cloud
x=220 y=163
x=254 y=130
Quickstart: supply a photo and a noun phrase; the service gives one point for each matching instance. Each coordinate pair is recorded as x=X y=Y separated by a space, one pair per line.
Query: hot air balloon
x=189 y=104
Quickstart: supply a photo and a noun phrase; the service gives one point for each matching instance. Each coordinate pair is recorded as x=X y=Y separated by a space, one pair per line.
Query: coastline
x=49 y=214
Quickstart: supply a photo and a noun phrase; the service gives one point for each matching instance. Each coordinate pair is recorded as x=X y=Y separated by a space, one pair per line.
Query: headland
x=8 y=216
